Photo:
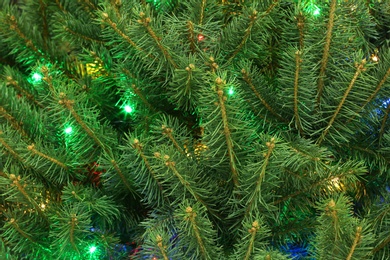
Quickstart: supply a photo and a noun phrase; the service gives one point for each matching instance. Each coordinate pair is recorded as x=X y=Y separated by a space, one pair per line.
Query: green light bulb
x=68 y=130
x=316 y=11
x=231 y=91
x=92 y=249
x=128 y=109
x=36 y=77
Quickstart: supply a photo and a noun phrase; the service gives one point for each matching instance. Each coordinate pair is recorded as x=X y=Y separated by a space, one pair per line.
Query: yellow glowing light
x=374 y=58
x=336 y=184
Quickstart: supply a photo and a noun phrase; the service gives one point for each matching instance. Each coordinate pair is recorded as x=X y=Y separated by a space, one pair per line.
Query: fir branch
x=229 y=143
x=271 y=147
x=298 y=62
x=45 y=31
x=384 y=120
x=202 y=9
x=360 y=68
x=248 y=80
x=161 y=247
x=61 y=7
x=48 y=79
x=248 y=31
x=79 y=35
x=269 y=9
x=253 y=230
x=189 y=70
x=113 y=25
x=137 y=91
x=186 y=184
x=15 y=180
x=212 y=64
x=138 y=146
x=379 y=87
x=32 y=149
x=325 y=56
x=369 y=151
x=356 y=241
x=12 y=82
x=332 y=212
x=168 y=132
x=10 y=150
x=304 y=154
x=14 y=26
x=191 y=215
x=316 y=184
x=73 y=224
x=381 y=245
x=88 y=5
x=69 y=105
x=120 y=173
x=12 y=221
x=301 y=25
x=13 y=122
x=115 y=4
x=2 y=174
x=145 y=21
x=379 y=218
x=30 y=44
x=191 y=36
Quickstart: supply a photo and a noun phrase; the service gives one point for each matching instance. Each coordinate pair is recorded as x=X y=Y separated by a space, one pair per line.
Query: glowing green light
x=68 y=130
x=316 y=11
x=231 y=91
x=37 y=77
x=128 y=109
x=92 y=249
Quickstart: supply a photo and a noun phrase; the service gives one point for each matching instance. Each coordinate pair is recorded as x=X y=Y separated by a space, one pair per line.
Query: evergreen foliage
x=199 y=129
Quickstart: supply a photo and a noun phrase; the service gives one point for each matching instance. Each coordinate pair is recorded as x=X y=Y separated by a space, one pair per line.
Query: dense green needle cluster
x=199 y=129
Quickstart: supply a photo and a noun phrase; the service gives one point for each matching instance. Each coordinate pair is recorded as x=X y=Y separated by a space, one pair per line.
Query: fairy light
x=231 y=91
x=200 y=37
x=313 y=9
x=316 y=11
x=68 y=130
x=36 y=76
x=128 y=109
x=92 y=249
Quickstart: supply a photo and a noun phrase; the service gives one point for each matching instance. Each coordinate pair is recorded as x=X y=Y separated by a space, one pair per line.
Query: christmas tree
x=199 y=129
